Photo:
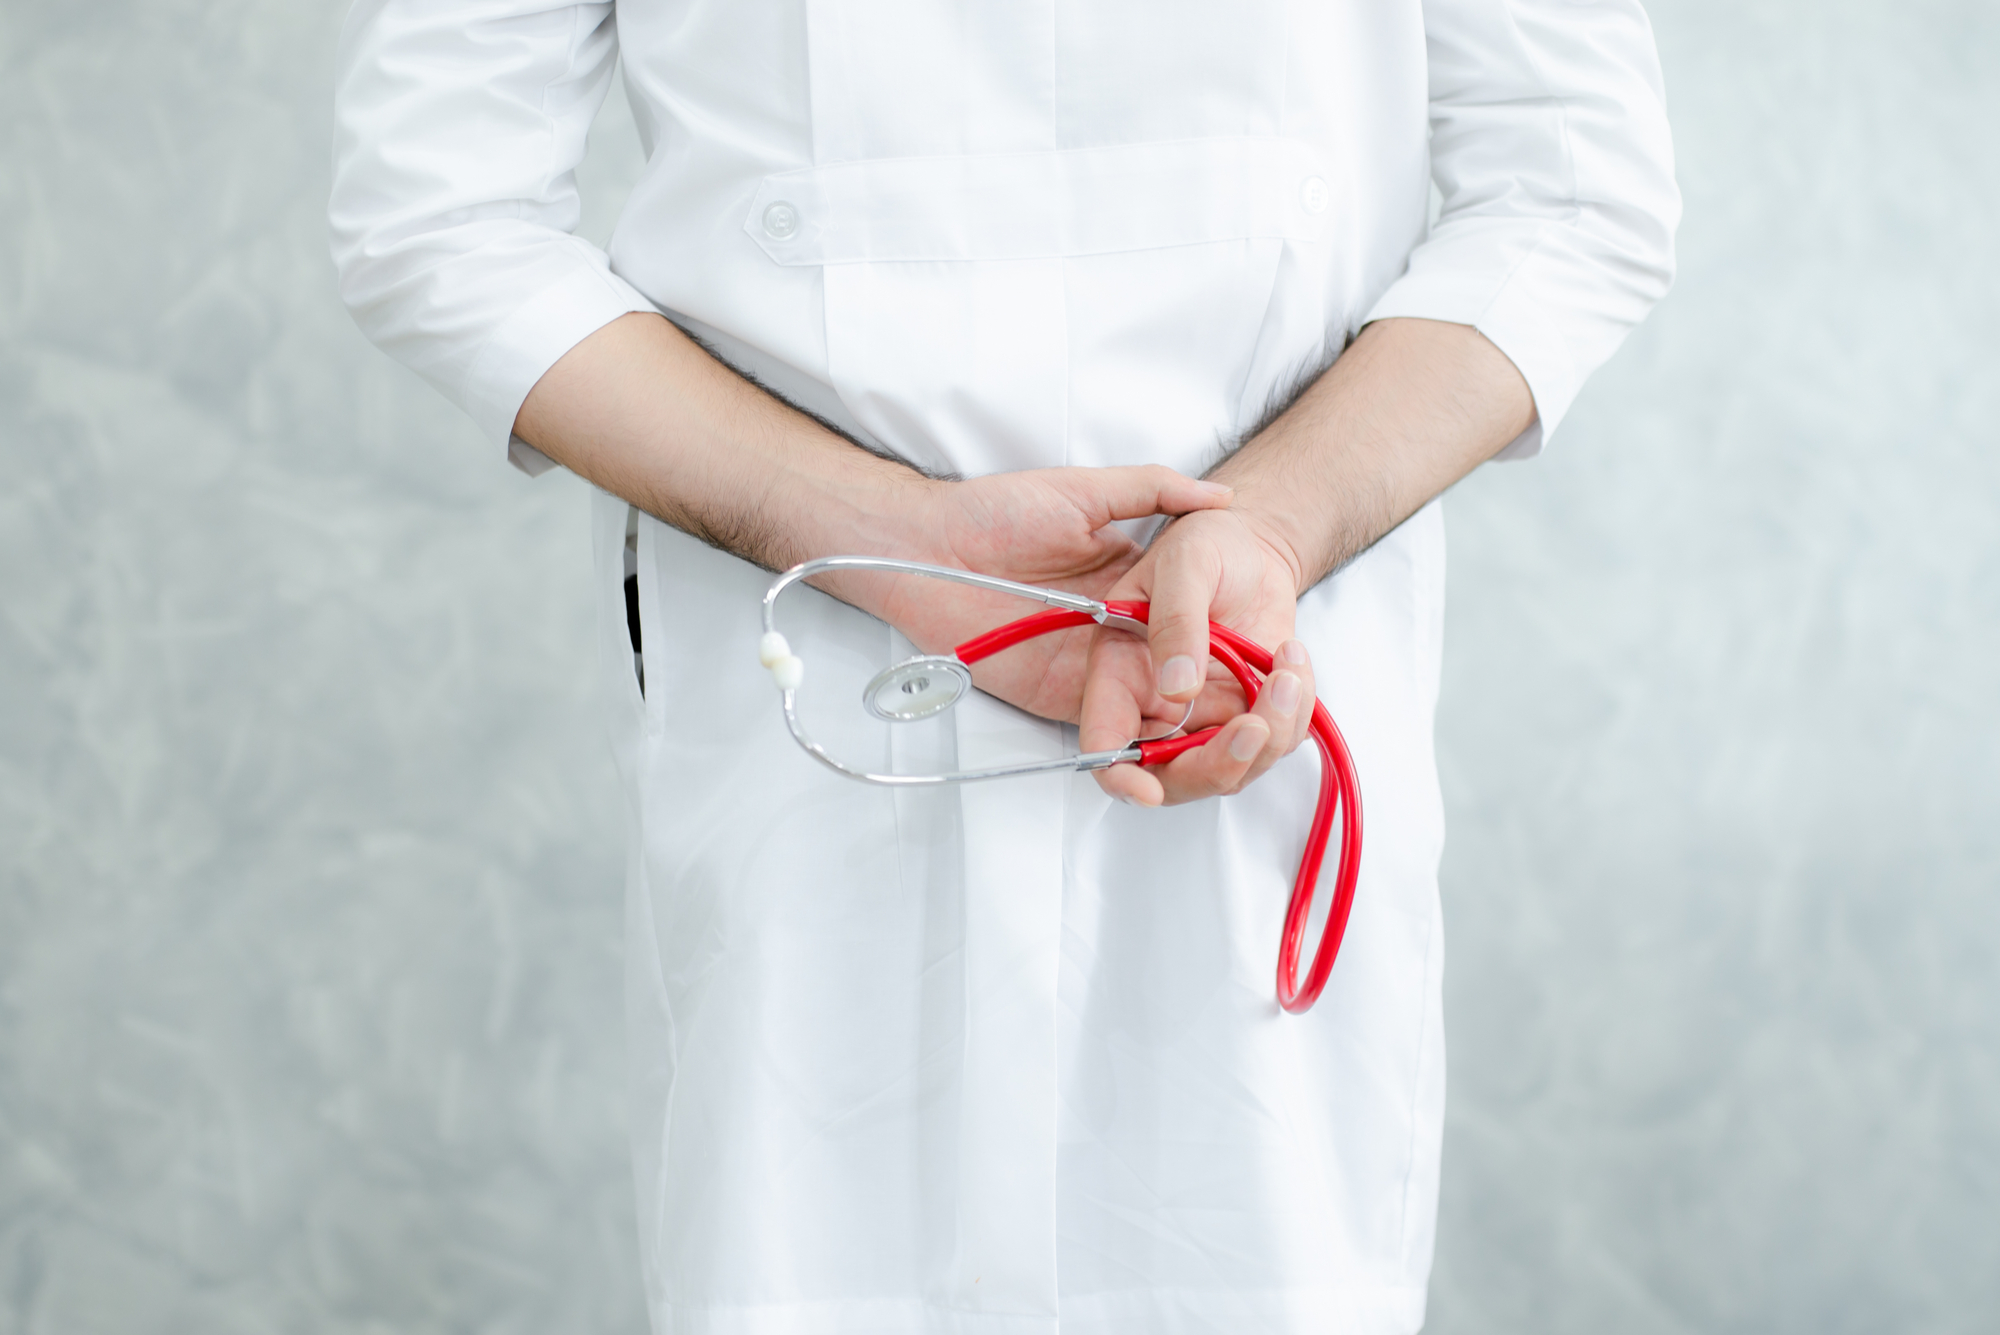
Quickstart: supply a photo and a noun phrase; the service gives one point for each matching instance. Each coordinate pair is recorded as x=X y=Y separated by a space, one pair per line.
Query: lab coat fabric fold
x=1006 y=1057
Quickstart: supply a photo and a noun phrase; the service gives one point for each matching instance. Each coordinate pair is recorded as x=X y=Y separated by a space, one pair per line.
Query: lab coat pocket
x=973 y=303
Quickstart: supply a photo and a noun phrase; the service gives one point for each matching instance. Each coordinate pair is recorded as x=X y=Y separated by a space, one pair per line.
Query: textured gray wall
x=1721 y=734
x=309 y=850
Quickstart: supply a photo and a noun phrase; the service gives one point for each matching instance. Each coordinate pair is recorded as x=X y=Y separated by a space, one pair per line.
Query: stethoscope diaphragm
x=916 y=688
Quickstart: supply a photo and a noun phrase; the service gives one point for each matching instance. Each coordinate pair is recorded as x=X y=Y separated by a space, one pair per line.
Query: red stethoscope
x=929 y=684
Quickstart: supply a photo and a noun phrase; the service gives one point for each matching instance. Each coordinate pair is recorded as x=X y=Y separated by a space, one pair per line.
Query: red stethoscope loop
x=1339 y=790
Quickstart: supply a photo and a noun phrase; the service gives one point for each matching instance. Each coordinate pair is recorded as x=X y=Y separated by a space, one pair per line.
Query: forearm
x=642 y=411
x=1410 y=408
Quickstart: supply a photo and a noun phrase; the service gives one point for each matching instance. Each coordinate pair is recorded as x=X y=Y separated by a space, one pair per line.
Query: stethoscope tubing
x=1339 y=789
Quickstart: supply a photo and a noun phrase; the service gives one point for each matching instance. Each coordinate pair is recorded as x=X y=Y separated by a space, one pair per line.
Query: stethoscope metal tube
x=929 y=684
x=775 y=653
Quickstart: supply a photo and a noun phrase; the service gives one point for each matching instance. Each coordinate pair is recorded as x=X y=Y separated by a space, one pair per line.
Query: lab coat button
x=1314 y=194
x=781 y=221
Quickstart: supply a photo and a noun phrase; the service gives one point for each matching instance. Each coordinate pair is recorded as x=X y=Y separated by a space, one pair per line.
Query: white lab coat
x=1007 y=1058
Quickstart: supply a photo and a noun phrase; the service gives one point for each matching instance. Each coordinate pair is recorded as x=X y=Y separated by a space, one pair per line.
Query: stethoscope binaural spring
x=930 y=684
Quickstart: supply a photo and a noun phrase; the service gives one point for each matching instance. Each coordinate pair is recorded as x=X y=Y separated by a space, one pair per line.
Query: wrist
x=922 y=522
x=871 y=507
x=868 y=506
x=1274 y=523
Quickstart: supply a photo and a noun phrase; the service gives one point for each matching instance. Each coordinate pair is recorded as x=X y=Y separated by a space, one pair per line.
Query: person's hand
x=1214 y=565
x=1048 y=527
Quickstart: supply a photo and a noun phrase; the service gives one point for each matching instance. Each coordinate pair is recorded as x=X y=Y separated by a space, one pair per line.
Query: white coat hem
x=1388 y=1310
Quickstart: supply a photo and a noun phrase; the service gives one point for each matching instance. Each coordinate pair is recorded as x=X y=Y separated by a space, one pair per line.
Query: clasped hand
x=1213 y=560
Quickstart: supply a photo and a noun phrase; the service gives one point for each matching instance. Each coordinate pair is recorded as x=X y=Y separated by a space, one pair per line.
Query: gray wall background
x=309 y=849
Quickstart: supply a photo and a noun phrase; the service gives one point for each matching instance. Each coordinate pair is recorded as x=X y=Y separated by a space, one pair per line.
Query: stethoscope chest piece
x=916 y=688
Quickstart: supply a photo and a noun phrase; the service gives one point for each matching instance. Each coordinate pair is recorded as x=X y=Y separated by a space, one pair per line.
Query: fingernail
x=1292 y=652
x=1284 y=692
x=1247 y=742
x=1178 y=675
x=1215 y=488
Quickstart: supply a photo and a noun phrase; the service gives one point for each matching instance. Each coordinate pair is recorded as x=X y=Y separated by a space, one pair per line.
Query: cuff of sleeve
x=533 y=339
x=1511 y=313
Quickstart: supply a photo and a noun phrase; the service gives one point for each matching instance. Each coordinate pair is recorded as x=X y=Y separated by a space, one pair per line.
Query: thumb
x=1185 y=578
x=1139 y=491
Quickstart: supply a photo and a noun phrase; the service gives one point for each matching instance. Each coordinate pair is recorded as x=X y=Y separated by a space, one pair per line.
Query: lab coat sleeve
x=458 y=126
x=1550 y=149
